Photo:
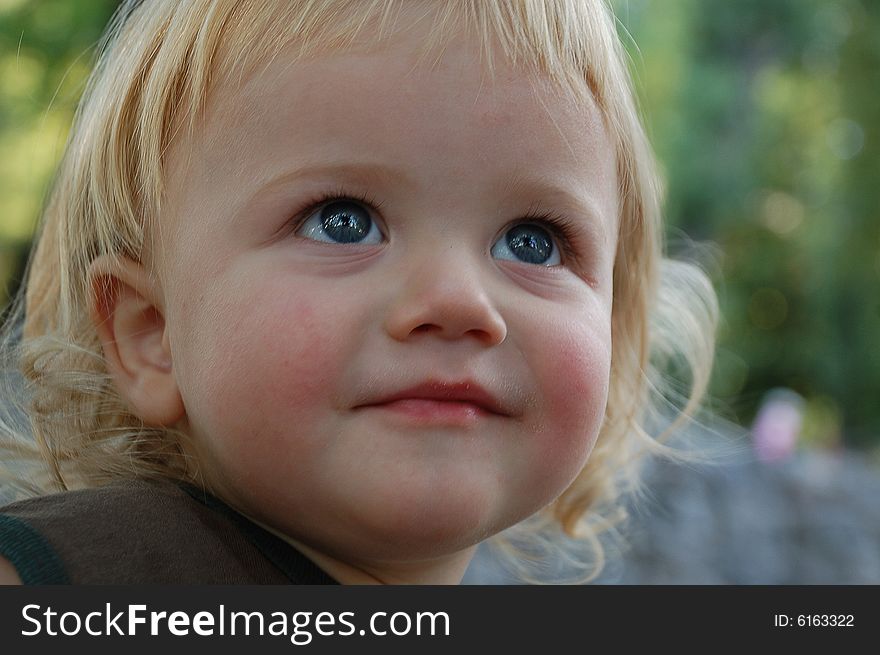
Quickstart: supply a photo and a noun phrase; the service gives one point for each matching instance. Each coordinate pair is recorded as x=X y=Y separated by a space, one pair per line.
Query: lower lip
x=435 y=412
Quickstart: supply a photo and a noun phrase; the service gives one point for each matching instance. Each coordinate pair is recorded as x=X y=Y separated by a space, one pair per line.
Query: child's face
x=286 y=342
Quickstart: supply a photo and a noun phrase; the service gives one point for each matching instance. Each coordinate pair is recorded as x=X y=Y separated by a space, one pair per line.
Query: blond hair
x=157 y=67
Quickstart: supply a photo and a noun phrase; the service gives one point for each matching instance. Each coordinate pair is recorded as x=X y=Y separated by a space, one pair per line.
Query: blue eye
x=528 y=243
x=341 y=221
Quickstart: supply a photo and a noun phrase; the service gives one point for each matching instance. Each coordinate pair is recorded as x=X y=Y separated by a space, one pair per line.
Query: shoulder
x=127 y=532
x=46 y=539
x=119 y=496
x=129 y=505
x=134 y=532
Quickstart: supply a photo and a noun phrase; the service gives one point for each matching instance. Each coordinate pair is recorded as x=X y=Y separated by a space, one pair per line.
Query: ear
x=128 y=316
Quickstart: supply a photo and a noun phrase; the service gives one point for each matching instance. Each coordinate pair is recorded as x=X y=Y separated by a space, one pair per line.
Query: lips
x=450 y=392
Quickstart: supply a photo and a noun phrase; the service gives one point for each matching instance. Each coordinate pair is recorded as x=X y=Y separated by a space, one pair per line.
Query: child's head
x=275 y=220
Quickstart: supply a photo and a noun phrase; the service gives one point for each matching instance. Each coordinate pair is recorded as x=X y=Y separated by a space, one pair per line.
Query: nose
x=447 y=300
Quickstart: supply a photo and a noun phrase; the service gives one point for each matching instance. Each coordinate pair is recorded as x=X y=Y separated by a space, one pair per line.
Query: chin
x=416 y=529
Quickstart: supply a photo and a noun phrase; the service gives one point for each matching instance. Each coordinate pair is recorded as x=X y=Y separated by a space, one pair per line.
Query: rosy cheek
x=262 y=372
x=295 y=358
x=575 y=390
x=309 y=347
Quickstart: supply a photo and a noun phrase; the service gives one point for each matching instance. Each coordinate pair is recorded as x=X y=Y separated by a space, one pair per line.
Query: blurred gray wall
x=813 y=518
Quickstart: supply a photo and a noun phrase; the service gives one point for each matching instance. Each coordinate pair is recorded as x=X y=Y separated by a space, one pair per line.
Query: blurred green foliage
x=47 y=49
x=765 y=117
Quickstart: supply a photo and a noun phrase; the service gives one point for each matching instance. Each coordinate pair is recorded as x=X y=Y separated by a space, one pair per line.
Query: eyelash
x=562 y=228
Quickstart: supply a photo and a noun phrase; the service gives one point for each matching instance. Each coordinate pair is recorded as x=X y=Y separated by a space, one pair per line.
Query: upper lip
x=466 y=391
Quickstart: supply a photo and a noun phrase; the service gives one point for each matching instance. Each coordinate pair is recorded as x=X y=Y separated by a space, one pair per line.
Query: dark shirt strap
x=30 y=554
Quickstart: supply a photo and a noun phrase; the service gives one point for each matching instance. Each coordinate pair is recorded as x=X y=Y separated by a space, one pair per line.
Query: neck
x=446 y=570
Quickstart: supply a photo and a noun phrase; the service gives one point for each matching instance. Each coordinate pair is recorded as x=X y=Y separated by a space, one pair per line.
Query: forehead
x=376 y=101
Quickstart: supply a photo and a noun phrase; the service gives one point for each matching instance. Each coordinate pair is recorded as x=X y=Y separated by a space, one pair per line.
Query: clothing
x=145 y=532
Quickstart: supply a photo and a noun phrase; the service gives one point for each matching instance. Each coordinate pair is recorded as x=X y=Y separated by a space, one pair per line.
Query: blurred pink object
x=778 y=425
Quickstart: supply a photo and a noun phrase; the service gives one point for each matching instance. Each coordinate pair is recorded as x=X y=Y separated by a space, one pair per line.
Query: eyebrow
x=365 y=172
